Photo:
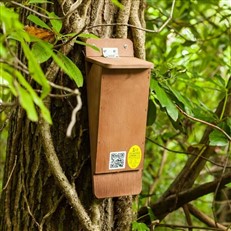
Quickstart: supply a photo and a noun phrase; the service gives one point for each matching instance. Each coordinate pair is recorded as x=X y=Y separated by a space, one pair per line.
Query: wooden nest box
x=118 y=89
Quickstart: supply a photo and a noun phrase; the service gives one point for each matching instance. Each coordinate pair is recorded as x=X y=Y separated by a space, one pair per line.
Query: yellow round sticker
x=134 y=156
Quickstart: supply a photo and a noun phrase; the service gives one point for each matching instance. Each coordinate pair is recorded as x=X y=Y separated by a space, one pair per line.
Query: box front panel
x=122 y=120
x=117 y=184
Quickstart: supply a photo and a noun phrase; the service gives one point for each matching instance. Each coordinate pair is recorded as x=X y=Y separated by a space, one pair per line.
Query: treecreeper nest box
x=117 y=89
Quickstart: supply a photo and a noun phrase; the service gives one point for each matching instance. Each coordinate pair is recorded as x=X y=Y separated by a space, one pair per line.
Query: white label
x=110 y=52
x=117 y=160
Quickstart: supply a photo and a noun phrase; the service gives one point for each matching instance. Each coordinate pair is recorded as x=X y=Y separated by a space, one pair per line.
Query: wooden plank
x=117 y=184
x=122 y=115
x=120 y=62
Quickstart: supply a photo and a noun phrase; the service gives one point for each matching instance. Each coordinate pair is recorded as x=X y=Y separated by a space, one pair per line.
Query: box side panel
x=93 y=80
x=122 y=120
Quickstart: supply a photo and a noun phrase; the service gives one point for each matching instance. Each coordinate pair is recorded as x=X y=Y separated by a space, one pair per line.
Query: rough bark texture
x=31 y=199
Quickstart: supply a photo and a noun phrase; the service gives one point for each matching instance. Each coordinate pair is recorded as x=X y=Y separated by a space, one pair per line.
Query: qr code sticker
x=117 y=160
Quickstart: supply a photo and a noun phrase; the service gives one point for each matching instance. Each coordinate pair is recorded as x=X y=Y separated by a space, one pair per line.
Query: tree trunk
x=32 y=198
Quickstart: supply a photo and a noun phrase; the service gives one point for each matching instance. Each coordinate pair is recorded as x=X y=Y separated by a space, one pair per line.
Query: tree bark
x=33 y=197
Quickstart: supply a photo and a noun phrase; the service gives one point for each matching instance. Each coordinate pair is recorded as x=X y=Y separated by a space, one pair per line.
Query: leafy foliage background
x=192 y=59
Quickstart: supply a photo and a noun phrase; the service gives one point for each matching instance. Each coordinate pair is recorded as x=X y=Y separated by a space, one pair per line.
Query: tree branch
x=177 y=200
x=52 y=159
x=218 y=185
x=61 y=179
x=204 y=122
x=183 y=227
x=186 y=178
x=31 y=10
x=169 y=19
x=187 y=216
x=74 y=113
x=11 y=173
x=29 y=209
x=188 y=153
x=205 y=219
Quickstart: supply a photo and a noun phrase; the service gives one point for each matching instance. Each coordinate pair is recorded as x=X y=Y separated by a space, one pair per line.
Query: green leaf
x=36 y=20
x=3 y=51
x=87 y=44
x=164 y=100
x=37 y=100
x=9 y=19
x=9 y=78
x=173 y=52
x=27 y=103
x=139 y=227
x=151 y=214
x=38 y=1
x=41 y=53
x=88 y=36
x=181 y=99
x=69 y=68
x=65 y=64
x=117 y=3
x=216 y=138
x=56 y=23
x=151 y=113
x=203 y=113
x=229 y=122
x=35 y=70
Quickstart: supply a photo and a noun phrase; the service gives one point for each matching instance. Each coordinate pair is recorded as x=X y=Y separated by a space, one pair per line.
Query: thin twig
x=169 y=19
x=63 y=88
x=140 y=28
x=62 y=95
x=16 y=59
x=205 y=218
x=76 y=109
x=53 y=209
x=70 y=39
x=31 y=10
x=58 y=95
x=15 y=66
x=74 y=112
x=204 y=122
x=218 y=186
x=99 y=25
x=186 y=227
x=110 y=24
x=28 y=208
x=186 y=153
x=11 y=173
x=122 y=24
x=7 y=104
x=73 y=7
x=157 y=177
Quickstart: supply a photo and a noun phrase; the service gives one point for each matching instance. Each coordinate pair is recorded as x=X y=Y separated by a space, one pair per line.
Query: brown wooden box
x=118 y=89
